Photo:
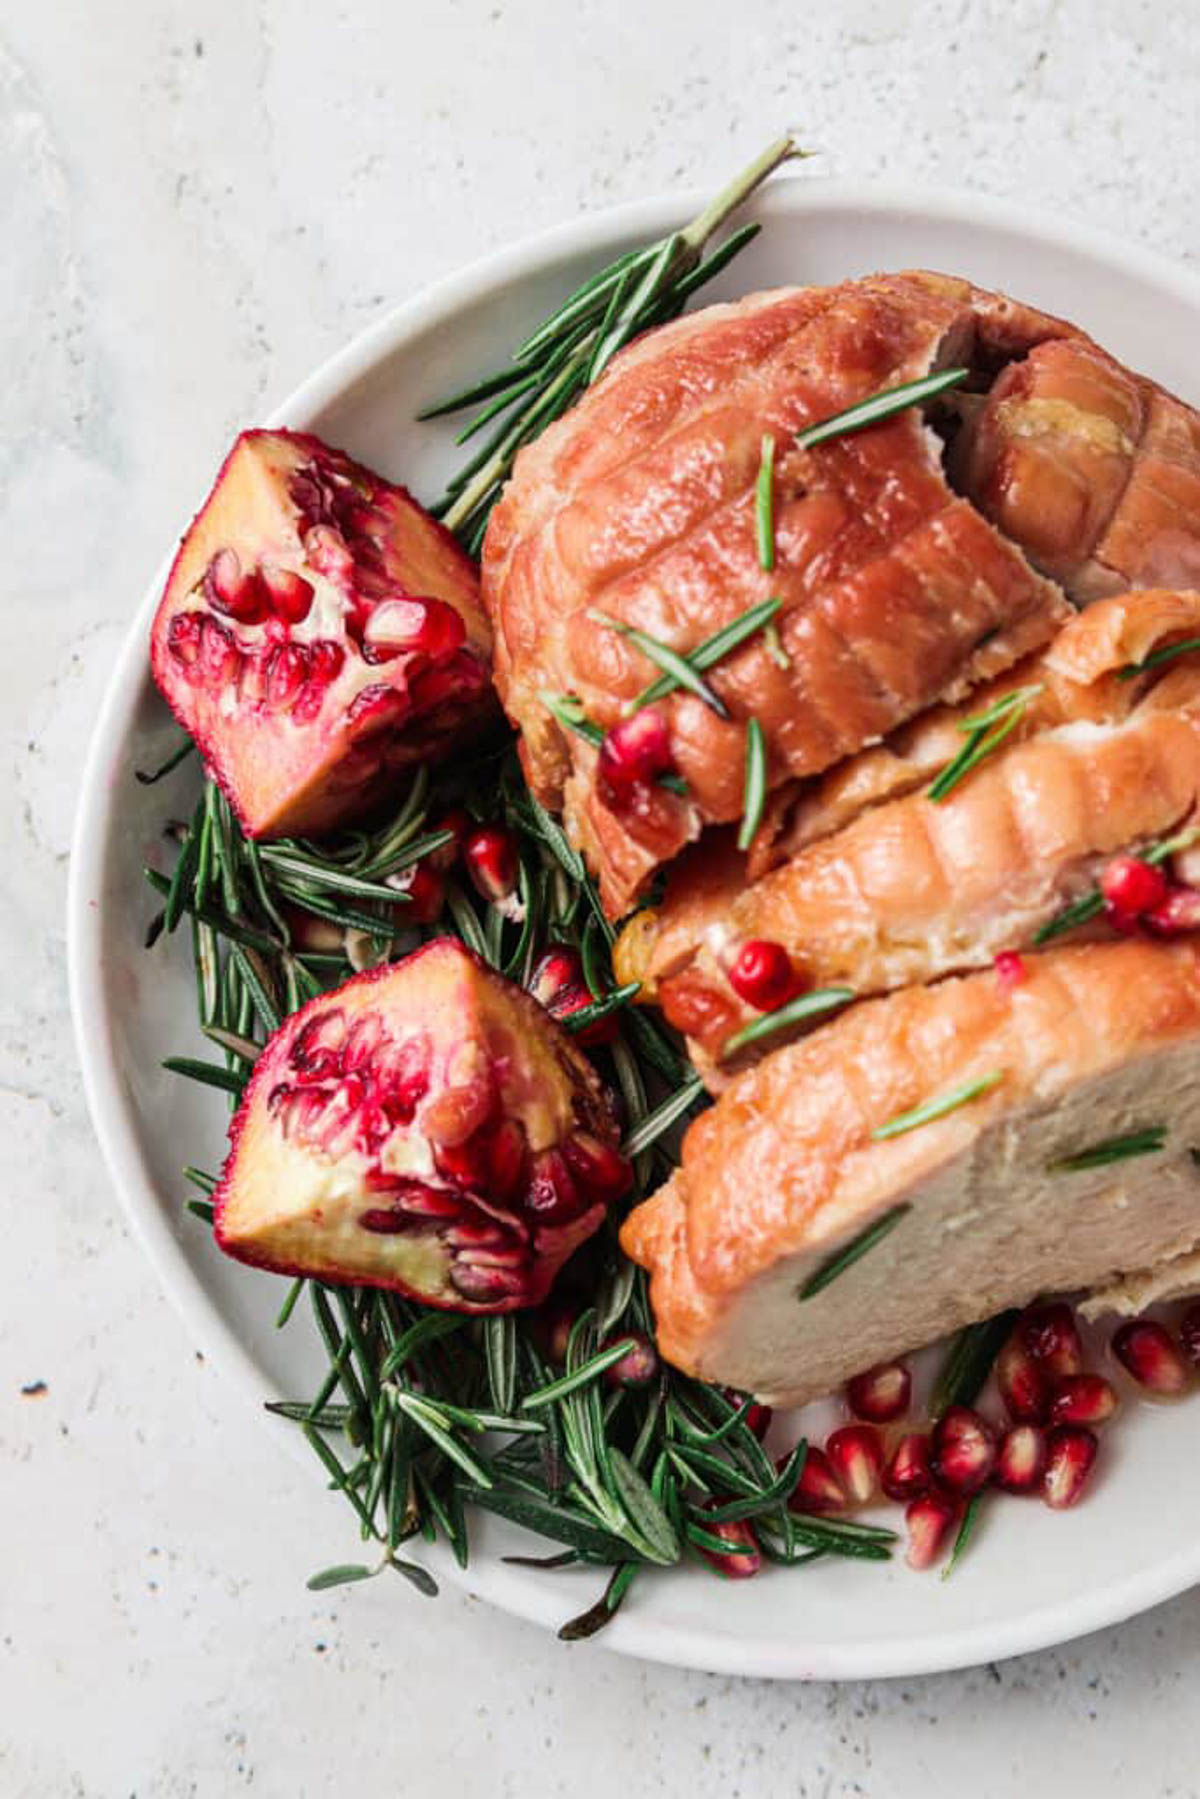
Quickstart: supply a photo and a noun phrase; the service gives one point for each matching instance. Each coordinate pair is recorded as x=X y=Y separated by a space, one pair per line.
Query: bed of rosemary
x=424 y=1416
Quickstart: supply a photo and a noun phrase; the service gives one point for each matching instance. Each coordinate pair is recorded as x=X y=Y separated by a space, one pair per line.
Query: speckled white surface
x=201 y=201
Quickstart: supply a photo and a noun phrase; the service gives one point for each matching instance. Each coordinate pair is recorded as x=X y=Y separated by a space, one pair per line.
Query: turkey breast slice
x=786 y=1170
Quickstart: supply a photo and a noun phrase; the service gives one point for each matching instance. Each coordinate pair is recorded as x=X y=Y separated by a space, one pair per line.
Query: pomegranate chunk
x=856 y=1454
x=1150 y=1353
x=929 y=1520
x=881 y=1394
x=1070 y=1454
x=318 y=631
x=420 y=1129
x=1021 y=1459
x=964 y=1449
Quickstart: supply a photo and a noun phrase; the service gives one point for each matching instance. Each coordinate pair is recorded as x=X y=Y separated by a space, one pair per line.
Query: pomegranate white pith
x=428 y=1128
x=319 y=631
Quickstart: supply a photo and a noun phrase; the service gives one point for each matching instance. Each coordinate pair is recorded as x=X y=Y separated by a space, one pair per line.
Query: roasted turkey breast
x=907 y=887
x=899 y=586
x=788 y=1169
x=639 y=504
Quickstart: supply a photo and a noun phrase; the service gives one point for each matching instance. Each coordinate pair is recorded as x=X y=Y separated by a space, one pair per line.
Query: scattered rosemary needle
x=985 y=733
x=912 y=1120
x=574 y=346
x=966 y=1531
x=755 y=791
x=568 y=710
x=1091 y=904
x=880 y=406
x=853 y=1252
x=764 y=505
x=1157 y=658
x=683 y=672
x=797 y=1011
x=706 y=655
x=1148 y=1142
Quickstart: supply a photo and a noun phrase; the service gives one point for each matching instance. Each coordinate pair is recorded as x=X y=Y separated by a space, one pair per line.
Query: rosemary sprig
x=880 y=406
x=1148 y=1142
x=845 y=1258
x=985 y=733
x=573 y=347
x=785 y=1018
x=936 y=1108
x=754 y=793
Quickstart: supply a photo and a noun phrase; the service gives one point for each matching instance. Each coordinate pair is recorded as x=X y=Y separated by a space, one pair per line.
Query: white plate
x=1033 y=1577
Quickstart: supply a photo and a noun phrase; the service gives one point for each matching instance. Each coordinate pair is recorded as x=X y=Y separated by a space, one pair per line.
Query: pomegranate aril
x=758 y=1416
x=401 y=1074
x=1083 y=1399
x=287 y=670
x=818 y=1490
x=220 y=659
x=507 y=1152
x=290 y=595
x=929 y=1520
x=639 y=1365
x=856 y=1455
x=385 y=1223
x=963 y=1449
x=1051 y=1336
x=318 y=1049
x=1179 y=911
x=376 y=709
x=1010 y=968
x=1024 y=1386
x=1150 y=1354
x=460 y=824
x=1020 y=1459
x=636 y=750
x=1189 y=1334
x=490 y=854
x=412 y=626
x=1070 y=1454
x=424 y=890
x=557 y=982
x=233 y=590
x=908 y=1472
x=551 y=1194
x=1132 y=888
x=763 y=976
x=184 y=636
x=485 y=1284
x=743 y=1560
x=881 y=1394
x=325 y=661
x=599 y=1168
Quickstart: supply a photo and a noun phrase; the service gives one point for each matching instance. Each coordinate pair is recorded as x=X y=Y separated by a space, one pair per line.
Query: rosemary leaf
x=986 y=733
x=937 y=1108
x=578 y=1377
x=615 y=1001
x=970 y=1360
x=714 y=649
x=764 y=504
x=341 y=1575
x=680 y=669
x=755 y=791
x=1148 y=1142
x=605 y=1608
x=882 y=405
x=164 y=768
x=797 y=1011
x=853 y=1252
x=569 y=712
x=207 y=1073
x=1156 y=659
x=966 y=1531
x=202 y=1209
x=657 y=1123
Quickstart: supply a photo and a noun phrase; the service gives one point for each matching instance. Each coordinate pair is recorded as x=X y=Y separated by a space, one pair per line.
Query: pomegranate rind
x=283 y=739
x=292 y=1197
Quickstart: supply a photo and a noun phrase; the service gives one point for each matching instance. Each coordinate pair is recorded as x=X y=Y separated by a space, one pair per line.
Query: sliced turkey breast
x=807 y=1151
x=913 y=887
x=639 y=507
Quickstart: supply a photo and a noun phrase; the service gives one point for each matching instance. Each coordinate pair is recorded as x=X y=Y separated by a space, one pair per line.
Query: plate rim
x=632 y=1632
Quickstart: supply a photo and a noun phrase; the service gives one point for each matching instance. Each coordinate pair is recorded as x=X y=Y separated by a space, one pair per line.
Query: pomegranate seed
x=325 y=659
x=557 y=982
x=881 y=1394
x=1023 y=1385
x=964 y=1449
x=1020 y=1459
x=929 y=1520
x=220 y=659
x=856 y=1455
x=376 y=708
x=1189 y=1333
x=1147 y=1349
x=1051 y=1336
x=551 y=1194
x=763 y=976
x=232 y=591
x=1179 y=912
x=638 y=1367
x=555 y=1324
x=287 y=671
x=1070 y=1453
x=1132 y=887
x=506 y=1156
x=487 y=1284
x=403 y=627
x=1010 y=968
x=425 y=889
x=291 y=596
x=908 y=1472
x=603 y=1172
x=636 y=750
x=818 y=1490
x=744 y=1561
x=461 y=824
x=1083 y=1399
x=490 y=853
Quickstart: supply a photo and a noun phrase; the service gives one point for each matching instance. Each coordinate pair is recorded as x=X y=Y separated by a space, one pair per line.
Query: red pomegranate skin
x=427 y=1127
x=319 y=632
